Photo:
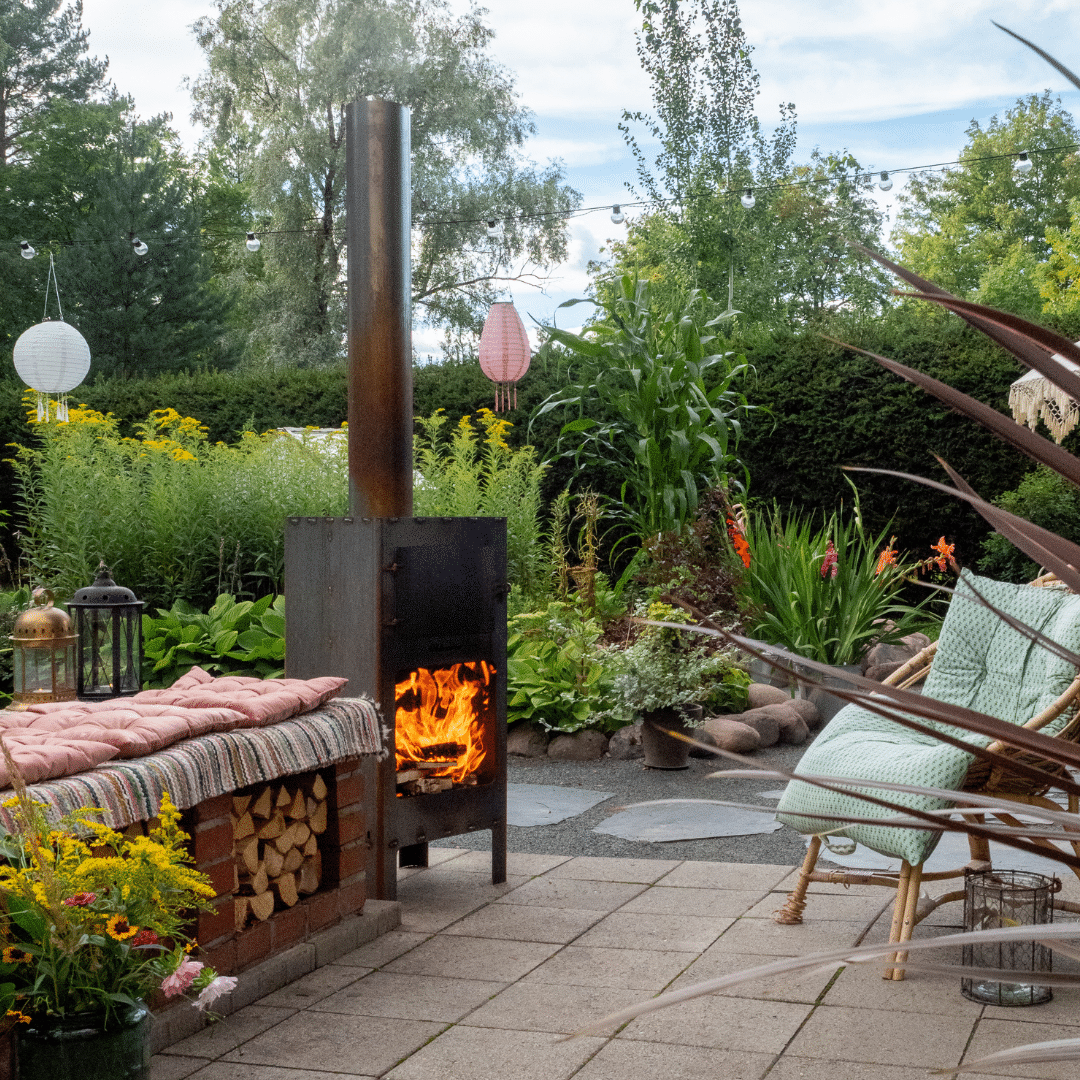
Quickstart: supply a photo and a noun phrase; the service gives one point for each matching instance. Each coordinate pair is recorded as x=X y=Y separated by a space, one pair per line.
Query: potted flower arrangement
x=666 y=677
x=92 y=922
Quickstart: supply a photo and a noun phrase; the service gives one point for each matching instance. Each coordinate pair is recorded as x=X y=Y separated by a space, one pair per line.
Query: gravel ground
x=631 y=782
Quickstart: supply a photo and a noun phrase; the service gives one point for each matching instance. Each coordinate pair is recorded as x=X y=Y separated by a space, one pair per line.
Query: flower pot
x=661 y=750
x=78 y=1047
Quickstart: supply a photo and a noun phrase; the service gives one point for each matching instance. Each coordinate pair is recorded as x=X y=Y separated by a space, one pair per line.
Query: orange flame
x=439 y=718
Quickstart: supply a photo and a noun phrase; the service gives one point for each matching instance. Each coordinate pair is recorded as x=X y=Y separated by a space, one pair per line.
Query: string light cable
x=494 y=226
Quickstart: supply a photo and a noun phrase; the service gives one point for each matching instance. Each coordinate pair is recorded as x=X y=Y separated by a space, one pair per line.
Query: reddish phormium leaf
x=1042 y=546
x=1047 y=342
x=1045 y=55
x=1027 y=442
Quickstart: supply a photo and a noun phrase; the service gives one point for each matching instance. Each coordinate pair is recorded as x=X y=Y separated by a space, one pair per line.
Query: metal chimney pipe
x=378 y=198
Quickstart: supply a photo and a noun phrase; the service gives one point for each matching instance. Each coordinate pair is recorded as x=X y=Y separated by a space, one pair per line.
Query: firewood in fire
x=445 y=750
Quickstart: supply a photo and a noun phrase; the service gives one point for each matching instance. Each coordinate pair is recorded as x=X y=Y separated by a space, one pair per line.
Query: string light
x=494 y=227
x=253 y=243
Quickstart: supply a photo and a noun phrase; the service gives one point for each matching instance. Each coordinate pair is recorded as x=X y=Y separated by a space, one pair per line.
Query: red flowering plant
x=92 y=920
x=823 y=588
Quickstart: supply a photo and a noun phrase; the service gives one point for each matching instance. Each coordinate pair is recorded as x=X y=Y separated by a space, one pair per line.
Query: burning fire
x=438 y=719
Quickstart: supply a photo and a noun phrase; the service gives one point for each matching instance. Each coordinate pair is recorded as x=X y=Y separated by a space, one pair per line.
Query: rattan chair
x=1061 y=715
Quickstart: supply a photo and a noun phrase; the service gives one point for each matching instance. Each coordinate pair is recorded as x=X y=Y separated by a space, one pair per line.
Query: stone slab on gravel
x=580 y=746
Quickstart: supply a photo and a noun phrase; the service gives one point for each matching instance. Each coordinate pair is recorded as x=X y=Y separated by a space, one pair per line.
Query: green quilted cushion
x=981 y=663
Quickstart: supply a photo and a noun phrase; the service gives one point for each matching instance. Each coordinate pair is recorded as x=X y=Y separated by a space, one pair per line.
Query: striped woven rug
x=200 y=768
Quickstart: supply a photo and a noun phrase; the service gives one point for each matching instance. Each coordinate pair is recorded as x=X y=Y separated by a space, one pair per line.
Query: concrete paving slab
x=229 y=1070
x=470 y=1053
x=382 y=950
x=1062 y=1008
x=716 y=903
x=518 y=864
x=800 y=1068
x=919 y=992
x=488 y=959
x=725 y=875
x=678 y=933
x=174 y=1067
x=881 y=1037
x=848 y=908
x=551 y=1007
x=730 y=1023
x=220 y=1038
x=524 y=923
x=635 y=969
x=572 y=893
x=411 y=997
x=994 y=1035
x=319 y=984
x=623 y=1058
x=769 y=938
x=331 y=1042
x=800 y=987
x=590 y=868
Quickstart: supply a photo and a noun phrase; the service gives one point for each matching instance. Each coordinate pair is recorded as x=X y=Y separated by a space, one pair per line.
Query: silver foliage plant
x=1044 y=351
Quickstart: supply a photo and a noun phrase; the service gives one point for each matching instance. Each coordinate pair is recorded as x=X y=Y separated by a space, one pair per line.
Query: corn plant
x=640 y=402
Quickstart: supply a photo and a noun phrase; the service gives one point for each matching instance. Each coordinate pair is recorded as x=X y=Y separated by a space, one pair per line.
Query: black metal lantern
x=108 y=622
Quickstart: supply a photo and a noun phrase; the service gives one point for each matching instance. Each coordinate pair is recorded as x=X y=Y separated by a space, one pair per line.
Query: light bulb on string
x=25 y=250
x=253 y=243
x=617 y=215
x=748 y=199
x=884 y=181
x=138 y=246
x=494 y=227
x=1023 y=165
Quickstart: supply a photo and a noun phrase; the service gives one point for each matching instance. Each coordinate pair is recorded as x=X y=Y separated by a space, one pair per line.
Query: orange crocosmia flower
x=944 y=553
x=738 y=542
x=886 y=558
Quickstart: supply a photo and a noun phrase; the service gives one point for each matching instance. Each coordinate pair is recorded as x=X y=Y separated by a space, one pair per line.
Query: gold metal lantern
x=43 y=654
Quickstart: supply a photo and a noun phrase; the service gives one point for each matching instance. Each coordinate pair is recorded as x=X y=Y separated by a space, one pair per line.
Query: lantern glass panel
x=110 y=649
x=45 y=671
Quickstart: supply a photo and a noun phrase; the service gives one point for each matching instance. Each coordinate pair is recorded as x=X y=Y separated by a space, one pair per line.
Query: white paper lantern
x=52 y=357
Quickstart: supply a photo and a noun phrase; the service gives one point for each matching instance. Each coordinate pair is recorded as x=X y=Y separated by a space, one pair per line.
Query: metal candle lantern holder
x=43 y=655
x=108 y=622
x=1000 y=898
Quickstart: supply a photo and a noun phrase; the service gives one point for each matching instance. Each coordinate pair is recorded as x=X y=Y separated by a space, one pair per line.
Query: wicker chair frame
x=983 y=779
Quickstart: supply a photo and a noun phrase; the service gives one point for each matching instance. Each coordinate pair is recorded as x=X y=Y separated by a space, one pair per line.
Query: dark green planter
x=77 y=1048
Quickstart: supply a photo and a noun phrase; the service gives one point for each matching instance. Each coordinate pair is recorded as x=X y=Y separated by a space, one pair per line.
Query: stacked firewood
x=275 y=839
x=414 y=776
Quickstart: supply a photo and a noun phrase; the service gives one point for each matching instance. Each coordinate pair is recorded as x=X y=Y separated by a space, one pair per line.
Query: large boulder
x=581 y=746
x=915 y=643
x=527 y=739
x=808 y=712
x=764 y=721
x=625 y=744
x=729 y=734
x=793 y=730
x=879 y=655
x=759 y=694
x=702 y=736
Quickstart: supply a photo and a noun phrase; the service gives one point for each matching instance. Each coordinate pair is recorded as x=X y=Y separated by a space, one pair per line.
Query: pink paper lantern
x=504 y=351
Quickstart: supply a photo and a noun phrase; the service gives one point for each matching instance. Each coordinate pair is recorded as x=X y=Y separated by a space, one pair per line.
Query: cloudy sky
x=895 y=84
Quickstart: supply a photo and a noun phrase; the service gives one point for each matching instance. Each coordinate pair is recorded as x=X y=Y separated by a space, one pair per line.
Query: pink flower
x=210 y=993
x=181 y=978
x=80 y=899
x=830 y=563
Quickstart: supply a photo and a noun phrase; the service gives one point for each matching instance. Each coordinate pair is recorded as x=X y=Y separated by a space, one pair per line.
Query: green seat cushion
x=982 y=663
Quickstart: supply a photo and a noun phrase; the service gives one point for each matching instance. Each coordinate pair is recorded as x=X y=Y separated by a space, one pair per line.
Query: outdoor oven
x=413 y=612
